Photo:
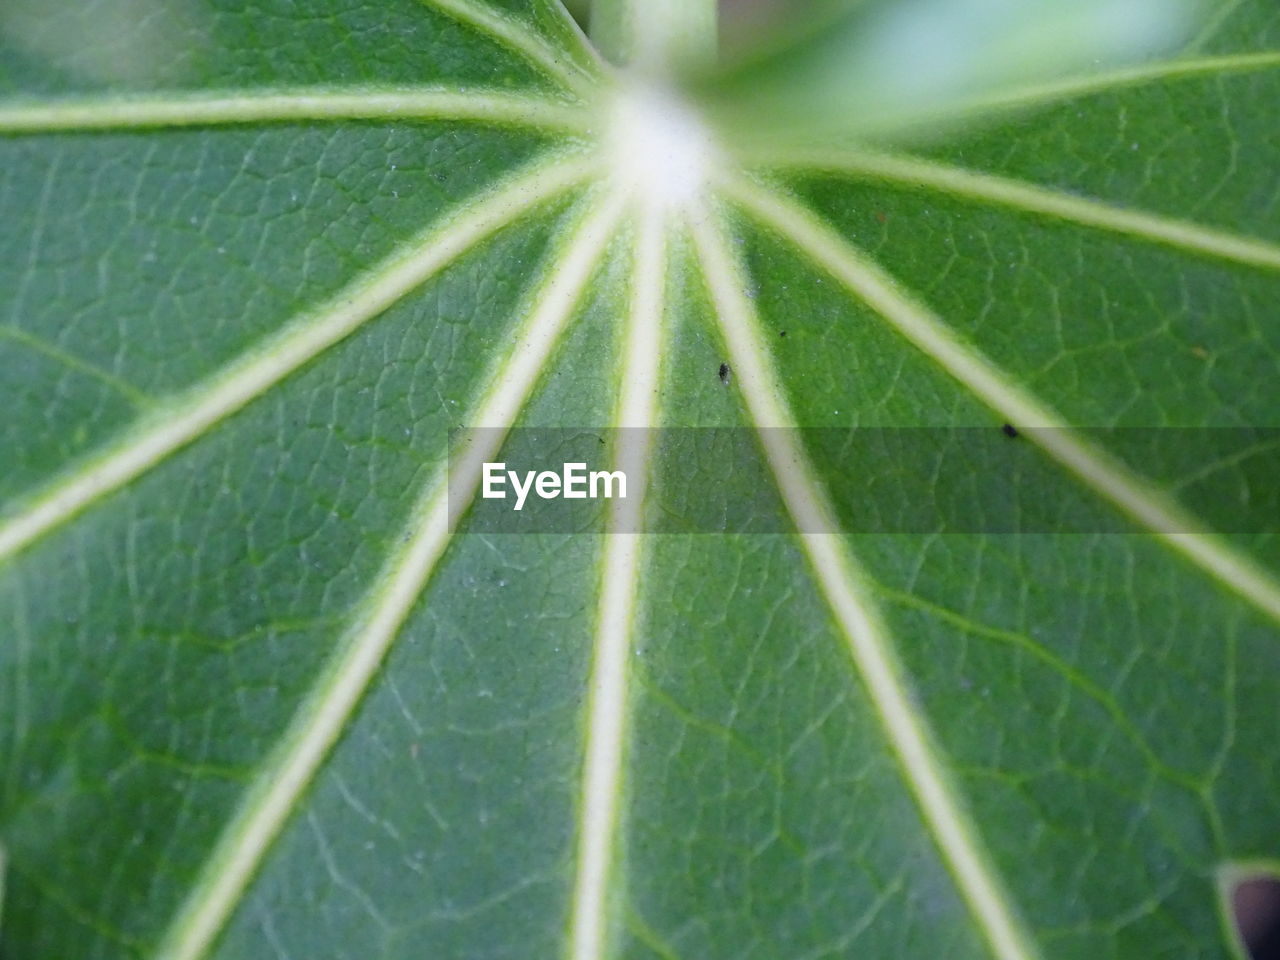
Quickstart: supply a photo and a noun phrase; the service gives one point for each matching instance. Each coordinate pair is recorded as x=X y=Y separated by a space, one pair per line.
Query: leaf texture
x=259 y=699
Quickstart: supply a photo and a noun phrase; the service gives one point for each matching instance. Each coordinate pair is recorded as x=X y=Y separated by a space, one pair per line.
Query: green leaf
x=263 y=265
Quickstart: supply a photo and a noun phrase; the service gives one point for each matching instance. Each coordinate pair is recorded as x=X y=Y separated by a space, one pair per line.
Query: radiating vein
x=181 y=109
x=1185 y=68
x=608 y=697
x=324 y=714
x=519 y=38
x=1027 y=197
x=186 y=416
x=1135 y=496
x=949 y=112
x=847 y=593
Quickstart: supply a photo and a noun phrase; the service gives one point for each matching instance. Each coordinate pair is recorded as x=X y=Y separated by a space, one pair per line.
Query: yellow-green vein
x=181 y=109
x=178 y=420
x=521 y=39
x=323 y=715
x=847 y=593
x=1135 y=496
x=608 y=697
x=1025 y=197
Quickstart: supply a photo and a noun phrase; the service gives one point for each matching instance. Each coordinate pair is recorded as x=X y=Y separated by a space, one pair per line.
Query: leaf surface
x=259 y=698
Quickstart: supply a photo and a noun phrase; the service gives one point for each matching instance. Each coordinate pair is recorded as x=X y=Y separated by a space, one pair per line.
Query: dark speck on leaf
x=725 y=374
x=782 y=333
x=1009 y=430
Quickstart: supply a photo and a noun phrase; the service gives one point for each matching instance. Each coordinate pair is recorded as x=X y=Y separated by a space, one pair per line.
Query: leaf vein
x=519 y=38
x=289 y=769
x=187 y=416
x=1184 y=68
x=1030 y=198
x=178 y=109
x=620 y=571
x=1067 y=671
x=845 y=589
x=136 y=397
x=1135 y=496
